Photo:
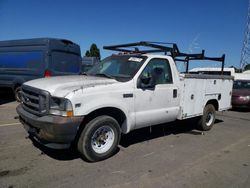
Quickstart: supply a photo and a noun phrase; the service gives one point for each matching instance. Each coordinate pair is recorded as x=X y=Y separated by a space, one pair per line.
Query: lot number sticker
x=136 y=59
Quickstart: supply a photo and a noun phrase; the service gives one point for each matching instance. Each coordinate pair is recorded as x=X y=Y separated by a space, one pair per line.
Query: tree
x=247 y=67
x=93 y=52
x=87 y=54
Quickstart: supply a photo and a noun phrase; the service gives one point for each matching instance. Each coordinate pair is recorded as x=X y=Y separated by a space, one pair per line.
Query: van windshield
x=65 y=62
x=120 y=67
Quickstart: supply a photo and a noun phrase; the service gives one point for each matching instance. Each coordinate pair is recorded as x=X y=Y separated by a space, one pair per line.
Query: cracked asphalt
x=171 y=155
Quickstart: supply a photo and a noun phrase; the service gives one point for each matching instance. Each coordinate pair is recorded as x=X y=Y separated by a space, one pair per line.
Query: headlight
x=61 y=106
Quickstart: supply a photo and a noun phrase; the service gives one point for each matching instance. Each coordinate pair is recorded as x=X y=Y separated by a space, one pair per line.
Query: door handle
x=174 y=93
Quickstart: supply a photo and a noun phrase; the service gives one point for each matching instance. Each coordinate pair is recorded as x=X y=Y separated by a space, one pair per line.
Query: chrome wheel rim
x=209 y=119
x=102 y=139
x=18 y=95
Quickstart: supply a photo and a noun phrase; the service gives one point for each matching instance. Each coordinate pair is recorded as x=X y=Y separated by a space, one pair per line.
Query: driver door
x=160 y=103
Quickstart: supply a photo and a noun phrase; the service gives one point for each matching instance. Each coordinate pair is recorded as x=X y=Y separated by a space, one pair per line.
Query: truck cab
x=124 y=92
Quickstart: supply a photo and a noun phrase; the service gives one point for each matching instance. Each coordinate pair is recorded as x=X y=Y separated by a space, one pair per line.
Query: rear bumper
x=50 y=129
x=245 y=106
x=241 y=103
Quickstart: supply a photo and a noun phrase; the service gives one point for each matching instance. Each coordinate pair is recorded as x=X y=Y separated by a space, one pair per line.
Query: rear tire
x=99 y=139
x=17 y=93
x=206 y=122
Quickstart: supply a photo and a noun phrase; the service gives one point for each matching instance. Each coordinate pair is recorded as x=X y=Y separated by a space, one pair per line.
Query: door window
x=161 y=70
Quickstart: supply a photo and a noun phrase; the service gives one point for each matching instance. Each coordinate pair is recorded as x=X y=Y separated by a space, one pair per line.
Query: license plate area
x=30 y=130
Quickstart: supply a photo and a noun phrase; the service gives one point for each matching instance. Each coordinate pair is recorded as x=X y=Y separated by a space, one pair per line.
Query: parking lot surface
x=171 y=155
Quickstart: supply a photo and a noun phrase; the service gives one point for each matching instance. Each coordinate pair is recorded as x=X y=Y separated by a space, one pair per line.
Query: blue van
x=28 y=59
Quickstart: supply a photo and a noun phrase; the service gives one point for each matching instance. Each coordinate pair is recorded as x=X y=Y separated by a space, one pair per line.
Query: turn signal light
x=69 y=113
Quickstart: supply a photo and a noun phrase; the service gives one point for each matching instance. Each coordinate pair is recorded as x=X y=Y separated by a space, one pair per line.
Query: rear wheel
x=99 y=139
x=206 y=122
x=17 y=93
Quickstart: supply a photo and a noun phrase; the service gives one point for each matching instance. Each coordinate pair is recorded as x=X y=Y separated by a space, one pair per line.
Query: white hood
x=62 y=85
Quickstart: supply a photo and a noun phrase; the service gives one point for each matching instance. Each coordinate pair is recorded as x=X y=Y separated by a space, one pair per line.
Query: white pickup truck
x=124 y=92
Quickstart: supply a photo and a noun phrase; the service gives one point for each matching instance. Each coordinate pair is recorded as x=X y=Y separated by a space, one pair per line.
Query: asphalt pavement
x=170 y=155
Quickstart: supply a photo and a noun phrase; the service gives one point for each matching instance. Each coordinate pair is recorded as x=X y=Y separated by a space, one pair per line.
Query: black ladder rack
x=167 y=48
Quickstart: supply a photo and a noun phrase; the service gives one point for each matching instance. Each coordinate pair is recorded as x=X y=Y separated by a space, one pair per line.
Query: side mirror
x=145 y=82
x=150 y=82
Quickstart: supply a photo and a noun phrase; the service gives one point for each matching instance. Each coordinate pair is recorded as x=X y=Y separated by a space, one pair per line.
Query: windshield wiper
x=104 y=75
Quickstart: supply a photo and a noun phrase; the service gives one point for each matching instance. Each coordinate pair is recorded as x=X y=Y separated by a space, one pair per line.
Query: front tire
x=99 y=139
x=17 y=93
x=206 y=122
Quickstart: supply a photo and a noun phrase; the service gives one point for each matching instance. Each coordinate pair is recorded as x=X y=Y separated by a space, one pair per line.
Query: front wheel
x=17 y=93
x=206 y=122
x=99 y=139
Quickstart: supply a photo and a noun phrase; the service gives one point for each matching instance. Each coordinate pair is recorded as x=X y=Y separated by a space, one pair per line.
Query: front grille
x=35 y=100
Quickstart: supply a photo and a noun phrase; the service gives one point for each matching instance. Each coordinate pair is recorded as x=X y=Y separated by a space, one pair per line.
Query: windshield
x=65 y=62
x=119 y=67
x=241 y=84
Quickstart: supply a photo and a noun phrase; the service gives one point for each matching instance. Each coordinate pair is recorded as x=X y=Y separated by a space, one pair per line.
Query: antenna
x=192 y=46
x=194 y=43
x=245 y=52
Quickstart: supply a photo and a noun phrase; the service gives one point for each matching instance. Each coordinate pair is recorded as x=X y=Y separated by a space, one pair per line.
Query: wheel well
x=116 y=113
x=215 y=103
x=16 y=85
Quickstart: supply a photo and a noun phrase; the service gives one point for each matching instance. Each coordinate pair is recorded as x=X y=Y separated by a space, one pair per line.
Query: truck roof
x=246 y=72
x=241 y=76
x=32 y=41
